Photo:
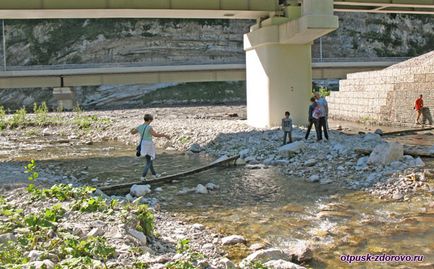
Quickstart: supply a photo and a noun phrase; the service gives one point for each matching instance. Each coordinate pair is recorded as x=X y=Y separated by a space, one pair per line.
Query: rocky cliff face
x=378 y=35
x=167 y=42
x=152 y=42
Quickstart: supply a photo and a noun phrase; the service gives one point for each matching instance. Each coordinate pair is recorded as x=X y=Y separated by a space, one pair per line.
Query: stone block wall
x=386 y=96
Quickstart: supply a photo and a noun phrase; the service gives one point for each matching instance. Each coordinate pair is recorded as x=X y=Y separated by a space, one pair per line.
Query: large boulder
x=371 y=137
x=386 y=153
x=300 y=252
x=263 y=256
x=291 y=148
x=281 y=264
x=140 y=190
x=233 y=239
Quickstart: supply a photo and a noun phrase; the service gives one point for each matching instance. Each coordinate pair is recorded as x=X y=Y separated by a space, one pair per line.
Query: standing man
x=324 y=108
x=418 y=106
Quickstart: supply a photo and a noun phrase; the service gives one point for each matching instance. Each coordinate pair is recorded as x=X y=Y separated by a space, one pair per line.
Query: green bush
x=91 y=247
x=41 y=114
x=19 y=118
x=145 y=220
x=3 y=122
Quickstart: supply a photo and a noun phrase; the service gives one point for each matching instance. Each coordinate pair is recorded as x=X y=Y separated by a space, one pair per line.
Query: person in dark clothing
x=313 y=118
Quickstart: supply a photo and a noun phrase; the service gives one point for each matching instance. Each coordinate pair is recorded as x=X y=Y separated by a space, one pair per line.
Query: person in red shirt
x=418 y=105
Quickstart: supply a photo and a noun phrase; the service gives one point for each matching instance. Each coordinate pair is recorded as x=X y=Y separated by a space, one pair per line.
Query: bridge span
x=111 y=74
x=217 y=9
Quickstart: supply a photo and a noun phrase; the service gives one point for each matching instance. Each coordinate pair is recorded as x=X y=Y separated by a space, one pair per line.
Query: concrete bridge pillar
x=278 y=62
x=64 y=97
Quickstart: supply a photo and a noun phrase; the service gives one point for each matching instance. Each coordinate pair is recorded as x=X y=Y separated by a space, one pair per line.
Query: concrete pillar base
x=279 y=79
x=64 y=97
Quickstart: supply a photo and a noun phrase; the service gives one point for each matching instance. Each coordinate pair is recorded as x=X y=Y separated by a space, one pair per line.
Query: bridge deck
x=94 y=75
x=228 y=9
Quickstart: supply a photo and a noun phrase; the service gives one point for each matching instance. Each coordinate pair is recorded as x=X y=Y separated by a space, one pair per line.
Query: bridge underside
x=162 y=74
x=213 y=9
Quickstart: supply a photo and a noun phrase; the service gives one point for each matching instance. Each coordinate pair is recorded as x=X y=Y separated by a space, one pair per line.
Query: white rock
x=94 y=179
x=201 y=189
x=129 y=197
x=211 y=186
x=46 y=264
x=339 y=148
x=418 y=162
x=386 y=153
x=157 y=266
x=95 y=232
x=397 y=196
x=189 y=204
x=140 y=190
x=198 y=226
x=313 y=178
x=265 y=255
x=295 y=147
x=159 y=189
x=244 y=153
x=185 y=190
x=34 y=255
x=233 y=239
x=4 y=238
x=281 y=264
x=299 y=251
x=225 y=263
x=310 y=162
x=208 y=246
x=138 y=235
x=396 y=165
x=371 y=137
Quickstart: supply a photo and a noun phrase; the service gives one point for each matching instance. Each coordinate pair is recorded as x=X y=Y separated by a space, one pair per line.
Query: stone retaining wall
x=386 y=96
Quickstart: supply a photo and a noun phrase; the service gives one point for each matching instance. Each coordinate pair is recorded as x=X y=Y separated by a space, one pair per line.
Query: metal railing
x=146 y=64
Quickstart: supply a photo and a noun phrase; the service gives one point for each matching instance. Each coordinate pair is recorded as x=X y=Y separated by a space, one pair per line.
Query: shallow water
x=263 y=205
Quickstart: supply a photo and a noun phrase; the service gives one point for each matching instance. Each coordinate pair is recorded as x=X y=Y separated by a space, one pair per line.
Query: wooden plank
x=120 y=187
x=412 y=152
x=408 y=131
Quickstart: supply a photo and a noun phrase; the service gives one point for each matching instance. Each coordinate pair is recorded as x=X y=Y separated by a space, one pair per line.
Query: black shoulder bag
x=139 y=147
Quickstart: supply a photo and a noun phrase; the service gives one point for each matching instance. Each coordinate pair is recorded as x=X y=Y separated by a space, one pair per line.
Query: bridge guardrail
x=144 y=64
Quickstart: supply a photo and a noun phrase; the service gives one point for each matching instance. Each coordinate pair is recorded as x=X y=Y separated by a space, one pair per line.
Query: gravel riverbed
x=215 y=131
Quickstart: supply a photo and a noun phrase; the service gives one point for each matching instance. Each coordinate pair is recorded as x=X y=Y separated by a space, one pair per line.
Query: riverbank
x=215 y=131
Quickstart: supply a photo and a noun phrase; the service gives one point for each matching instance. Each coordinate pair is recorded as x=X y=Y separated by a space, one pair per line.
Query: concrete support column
x=279 y=79
x=278 y=62
x=64 y=97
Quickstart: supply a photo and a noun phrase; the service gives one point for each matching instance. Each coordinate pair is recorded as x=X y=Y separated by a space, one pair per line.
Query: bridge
x=216 y=9
x=73 y=75
x=278 y=46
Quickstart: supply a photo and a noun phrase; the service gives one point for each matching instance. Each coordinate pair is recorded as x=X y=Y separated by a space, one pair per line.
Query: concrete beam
x=386 y=6
x=161 y=74
x=213 y=9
